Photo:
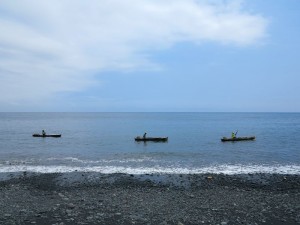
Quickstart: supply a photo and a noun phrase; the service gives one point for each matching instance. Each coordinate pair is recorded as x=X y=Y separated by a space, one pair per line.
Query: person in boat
x=144 y=136
x=43 y=133
x=233 y=135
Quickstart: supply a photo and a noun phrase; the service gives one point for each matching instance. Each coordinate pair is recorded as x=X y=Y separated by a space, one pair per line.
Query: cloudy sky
x=150 y=55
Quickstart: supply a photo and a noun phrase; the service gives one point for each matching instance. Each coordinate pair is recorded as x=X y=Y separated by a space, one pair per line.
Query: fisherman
x=43 y=133
x=233 y=135
x=144 y=136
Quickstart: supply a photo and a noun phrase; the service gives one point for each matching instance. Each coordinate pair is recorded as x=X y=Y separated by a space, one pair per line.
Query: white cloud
x=50 y=46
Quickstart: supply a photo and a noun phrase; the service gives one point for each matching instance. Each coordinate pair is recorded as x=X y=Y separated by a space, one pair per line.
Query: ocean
x=104 y=142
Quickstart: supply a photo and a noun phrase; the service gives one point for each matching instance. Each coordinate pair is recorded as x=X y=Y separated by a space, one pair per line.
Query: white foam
x=220 y=169
x=74 y=159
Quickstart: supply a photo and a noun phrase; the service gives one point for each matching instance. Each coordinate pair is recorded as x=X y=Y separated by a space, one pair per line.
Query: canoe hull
x=238 y=139
x=47 y=135
x=156 y=139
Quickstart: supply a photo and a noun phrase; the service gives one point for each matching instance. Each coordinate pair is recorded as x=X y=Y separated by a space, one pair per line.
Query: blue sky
x=150 y=55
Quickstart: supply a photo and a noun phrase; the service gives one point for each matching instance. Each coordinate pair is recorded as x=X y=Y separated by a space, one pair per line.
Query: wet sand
x=94 y=198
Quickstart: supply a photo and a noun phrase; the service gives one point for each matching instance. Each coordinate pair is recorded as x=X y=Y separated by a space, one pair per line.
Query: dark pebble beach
x=161 y=199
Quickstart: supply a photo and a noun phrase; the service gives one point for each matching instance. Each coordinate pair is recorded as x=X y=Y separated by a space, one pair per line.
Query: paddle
x=236 y=132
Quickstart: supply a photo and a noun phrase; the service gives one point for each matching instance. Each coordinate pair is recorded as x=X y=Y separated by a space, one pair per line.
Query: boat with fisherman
x=46 y=135
x=156 y=139
x=235 y=138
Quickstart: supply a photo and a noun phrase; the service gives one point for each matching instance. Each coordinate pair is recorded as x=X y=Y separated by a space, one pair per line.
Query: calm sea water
x=104 y=142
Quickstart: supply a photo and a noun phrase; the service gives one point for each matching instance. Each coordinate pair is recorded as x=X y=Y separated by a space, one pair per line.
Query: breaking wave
x=220 y=169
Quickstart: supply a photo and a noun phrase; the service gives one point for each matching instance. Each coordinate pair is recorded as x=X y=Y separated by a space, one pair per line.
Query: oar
x=236 y=132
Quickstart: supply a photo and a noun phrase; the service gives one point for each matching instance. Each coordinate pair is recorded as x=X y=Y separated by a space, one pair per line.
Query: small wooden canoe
x=157 y=139
x=238 y=139
x=47 y=135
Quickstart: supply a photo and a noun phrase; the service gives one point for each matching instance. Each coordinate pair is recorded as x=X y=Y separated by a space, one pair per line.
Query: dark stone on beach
x=93 y=198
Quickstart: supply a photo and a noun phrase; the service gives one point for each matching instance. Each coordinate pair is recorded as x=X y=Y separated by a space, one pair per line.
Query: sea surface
x=104 y=142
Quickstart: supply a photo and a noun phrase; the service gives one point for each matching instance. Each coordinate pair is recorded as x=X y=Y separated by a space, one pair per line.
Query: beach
x=166 y=199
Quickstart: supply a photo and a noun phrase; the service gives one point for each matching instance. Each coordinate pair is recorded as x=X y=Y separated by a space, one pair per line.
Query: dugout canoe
x=47 y=135
x=157 y=139
x=238 y=139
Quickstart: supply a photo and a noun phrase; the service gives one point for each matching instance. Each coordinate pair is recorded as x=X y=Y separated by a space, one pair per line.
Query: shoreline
x=166 y=199
x=228 y=169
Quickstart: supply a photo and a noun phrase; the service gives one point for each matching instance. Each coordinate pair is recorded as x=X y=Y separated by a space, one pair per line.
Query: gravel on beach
x=160 y=199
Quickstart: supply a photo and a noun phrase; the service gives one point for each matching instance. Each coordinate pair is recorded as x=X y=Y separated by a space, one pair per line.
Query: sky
x=150 y=56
